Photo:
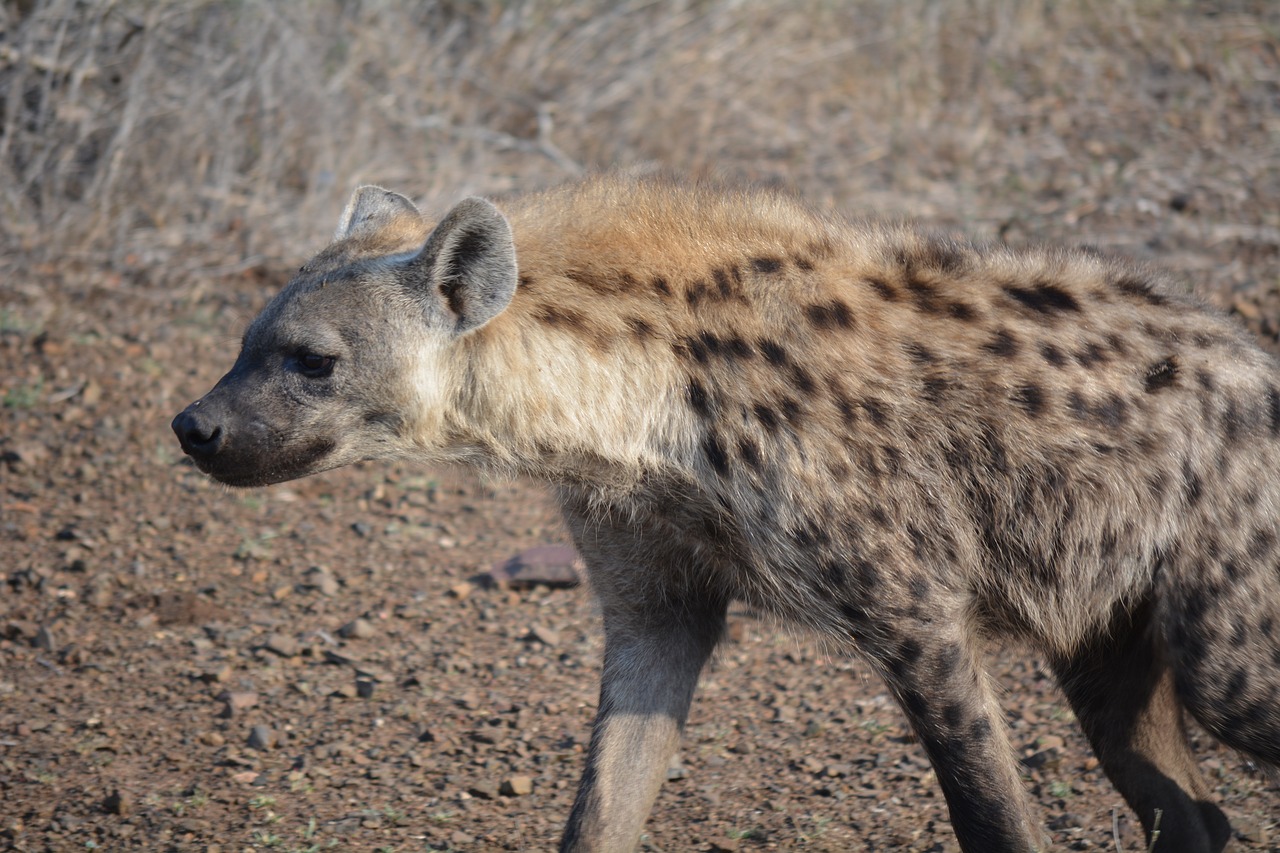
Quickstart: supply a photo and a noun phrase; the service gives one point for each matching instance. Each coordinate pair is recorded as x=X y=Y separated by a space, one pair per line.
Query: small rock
x=44 y=639
x=217 y=675
x=118 y=803
x=357 y=629
x=236 y=701
x=213 y=739
x=323 y=580
x=364 y=688
x=346 y=691
x=556 y=566
x=483 y=790
x=516 y=786
x=544 y=634
x=262 y=737
x=461 y=590
x=282 y=645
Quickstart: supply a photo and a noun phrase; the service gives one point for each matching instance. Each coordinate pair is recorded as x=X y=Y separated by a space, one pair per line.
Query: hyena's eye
x=315 y=365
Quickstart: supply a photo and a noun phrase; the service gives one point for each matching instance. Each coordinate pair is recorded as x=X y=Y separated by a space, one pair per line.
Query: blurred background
x=239 y=127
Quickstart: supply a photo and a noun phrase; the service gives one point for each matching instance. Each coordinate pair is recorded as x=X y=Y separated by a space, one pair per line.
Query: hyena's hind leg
x=1223 y=626
x=933 y=667
x=1122 y=691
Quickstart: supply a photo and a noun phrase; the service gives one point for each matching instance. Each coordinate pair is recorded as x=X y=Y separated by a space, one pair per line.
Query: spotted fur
x=904 y=444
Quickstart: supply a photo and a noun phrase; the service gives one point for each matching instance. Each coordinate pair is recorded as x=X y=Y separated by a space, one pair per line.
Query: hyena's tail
x=1223 y=626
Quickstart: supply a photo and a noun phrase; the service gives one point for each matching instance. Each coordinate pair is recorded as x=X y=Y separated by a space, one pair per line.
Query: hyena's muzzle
x=236 y=435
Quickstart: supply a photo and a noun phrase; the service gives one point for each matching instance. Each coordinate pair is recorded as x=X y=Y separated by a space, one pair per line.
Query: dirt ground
x=319 y=666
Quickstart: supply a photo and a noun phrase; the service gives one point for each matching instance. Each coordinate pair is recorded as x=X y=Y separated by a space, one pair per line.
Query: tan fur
x=904 y=444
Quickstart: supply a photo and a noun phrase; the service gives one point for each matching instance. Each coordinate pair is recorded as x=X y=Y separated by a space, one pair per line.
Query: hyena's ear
x=468 y=263
x=372 y=209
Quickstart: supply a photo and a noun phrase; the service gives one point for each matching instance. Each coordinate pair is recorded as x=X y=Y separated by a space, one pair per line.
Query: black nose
x=199 y=436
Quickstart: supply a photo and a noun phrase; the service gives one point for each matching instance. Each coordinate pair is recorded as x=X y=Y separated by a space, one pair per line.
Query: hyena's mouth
x=264 y=468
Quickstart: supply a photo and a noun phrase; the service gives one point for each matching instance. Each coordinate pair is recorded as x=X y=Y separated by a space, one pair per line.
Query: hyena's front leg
x=656 y=643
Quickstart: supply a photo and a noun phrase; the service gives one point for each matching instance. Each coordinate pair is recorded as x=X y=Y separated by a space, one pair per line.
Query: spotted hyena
x=905 y=444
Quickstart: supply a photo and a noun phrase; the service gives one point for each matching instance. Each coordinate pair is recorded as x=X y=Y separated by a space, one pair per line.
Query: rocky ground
x=319 y=665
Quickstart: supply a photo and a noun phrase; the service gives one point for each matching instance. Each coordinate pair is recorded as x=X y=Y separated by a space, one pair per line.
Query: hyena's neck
x=576 y=413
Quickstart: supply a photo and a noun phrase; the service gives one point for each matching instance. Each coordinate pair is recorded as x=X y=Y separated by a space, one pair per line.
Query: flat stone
x=282 y=645
x=262 y=737
x=544 y=634
x=483 y=790
x=516 y=786
x=555 y=566
x=357 y=629
x=118 y=803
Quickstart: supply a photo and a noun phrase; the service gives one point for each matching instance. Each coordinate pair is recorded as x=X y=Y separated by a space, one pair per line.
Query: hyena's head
x=354 y=353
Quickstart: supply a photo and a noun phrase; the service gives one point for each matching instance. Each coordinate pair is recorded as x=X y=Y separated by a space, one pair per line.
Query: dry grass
x=235 y=128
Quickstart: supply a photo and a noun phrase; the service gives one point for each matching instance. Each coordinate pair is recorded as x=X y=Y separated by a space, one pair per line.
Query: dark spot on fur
x=1133 y=286
x=1090 y=355
x=942 y=255
x=1053 y=355
x=698 y=399
x=766 y=265
x=803 y=263
x=724 y=284
x=906 y=657
x=1205 y=379
x=640 y=328
x=1043 y=298
x=875 y=410
x=715 y=453
x=1030 y=398
x=749 y=452
x=525 y=282
x=660 y=286
x=1234 y=424
x=772 y=351
x=1112 y=412
x=920 y=354
x=1004 y=344
x=1161 y=375
x=949 y=660
x=1192 y=483
x=696 y=292
x=792 y=411
x=883 y=289
x=1077 y=406
x=980 y=730
x=960 y=311
x=919 y=585
x=879 y=516
x=936 y=388
x=832 y=315
x=736 y=347
x=953 y=715
x=1273 y=409
x=802 y=381
x=562 y=318
x=767 y=417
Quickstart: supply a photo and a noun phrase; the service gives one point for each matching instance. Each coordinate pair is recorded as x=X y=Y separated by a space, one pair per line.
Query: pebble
x=364 y=688
x=544 y=634
x=357 y=629
x=236 y=701
x=516 y=786
x=322 y=579
x=282 y=645
x=555 y=566
x=483 y=790
x=118 y=803
x=262 y=737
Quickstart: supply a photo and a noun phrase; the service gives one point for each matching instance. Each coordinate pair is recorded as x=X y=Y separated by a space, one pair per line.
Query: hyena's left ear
x=468 y=262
